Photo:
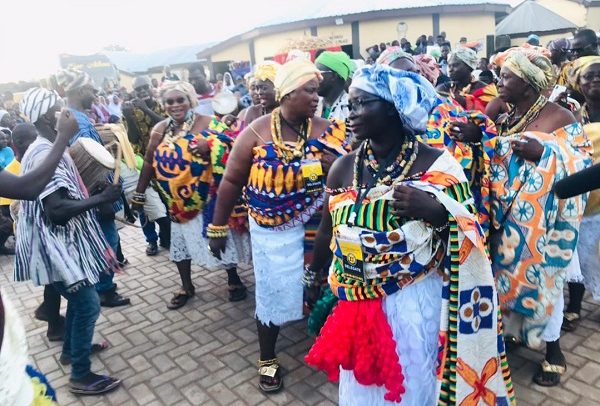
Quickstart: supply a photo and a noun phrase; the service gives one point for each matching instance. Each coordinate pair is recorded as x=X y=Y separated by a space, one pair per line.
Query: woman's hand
x=527 y=148
x=216 y=246
x=327 y=159
x=465 y=132
x=200 y=149
x=417 y=204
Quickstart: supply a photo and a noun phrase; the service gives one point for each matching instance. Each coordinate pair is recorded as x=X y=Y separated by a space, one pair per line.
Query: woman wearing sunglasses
x=279 y=158
x=416 y=320
x=188 y=162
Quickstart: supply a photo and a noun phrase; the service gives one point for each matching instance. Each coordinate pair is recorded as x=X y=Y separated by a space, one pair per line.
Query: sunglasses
x=358 y=105
x=179 y=100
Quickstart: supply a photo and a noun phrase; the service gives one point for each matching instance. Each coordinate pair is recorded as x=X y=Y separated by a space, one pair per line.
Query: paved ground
x=205 y=354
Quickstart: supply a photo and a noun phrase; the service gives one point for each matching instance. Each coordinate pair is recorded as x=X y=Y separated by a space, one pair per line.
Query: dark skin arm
x=31 y=184
x=60 y=208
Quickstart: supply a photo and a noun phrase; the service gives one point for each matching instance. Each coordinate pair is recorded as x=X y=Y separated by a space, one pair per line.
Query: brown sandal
x=180 y=298
x=269 y=374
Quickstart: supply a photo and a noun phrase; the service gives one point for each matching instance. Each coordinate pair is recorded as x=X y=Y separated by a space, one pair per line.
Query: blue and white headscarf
x=413 y=96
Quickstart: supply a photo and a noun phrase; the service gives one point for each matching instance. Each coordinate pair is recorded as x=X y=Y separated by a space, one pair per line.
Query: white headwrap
x=37 y=101
x=412 y=95
x=466 y=55
x=183 y=87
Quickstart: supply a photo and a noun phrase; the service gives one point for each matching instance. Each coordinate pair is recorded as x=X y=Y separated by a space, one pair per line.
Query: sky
x=34 y=32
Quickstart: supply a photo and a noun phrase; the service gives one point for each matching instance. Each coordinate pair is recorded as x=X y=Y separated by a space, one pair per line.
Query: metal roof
x=533 y=18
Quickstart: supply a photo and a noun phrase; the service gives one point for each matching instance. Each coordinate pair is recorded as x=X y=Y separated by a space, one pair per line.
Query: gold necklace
x=287 y=153
x=507 y=129
x=171 y=137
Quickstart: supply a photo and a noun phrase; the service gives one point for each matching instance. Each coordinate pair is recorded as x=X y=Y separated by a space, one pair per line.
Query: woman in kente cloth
x=417 y=320
x=534 y=234
x=470 y=93
x=584 y=76
x=188 y=162
x=279 y=158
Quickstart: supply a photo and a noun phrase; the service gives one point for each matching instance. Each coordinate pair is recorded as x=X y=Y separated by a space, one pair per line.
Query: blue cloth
x=412 y=95
x=149 y=229
x=87 y=130
x=105 y=279
x=6 y=156
x=83 y=309
x=34 y=373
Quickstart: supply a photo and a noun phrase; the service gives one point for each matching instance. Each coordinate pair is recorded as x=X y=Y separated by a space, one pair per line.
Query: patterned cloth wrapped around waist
x=275 y=191
x=188 y=182
x=394 y=255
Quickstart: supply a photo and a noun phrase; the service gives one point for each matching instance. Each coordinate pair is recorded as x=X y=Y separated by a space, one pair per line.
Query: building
x=358 y=24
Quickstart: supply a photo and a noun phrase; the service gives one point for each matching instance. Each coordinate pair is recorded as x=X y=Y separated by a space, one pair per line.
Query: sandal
x=96 y=348
x=100 y=385
x=551 y=372
x=180 y=298
x=237 y=292
x=269 y=376
x=570 y=322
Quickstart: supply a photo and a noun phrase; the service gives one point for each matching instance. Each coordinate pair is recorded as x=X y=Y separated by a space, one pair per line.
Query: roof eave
x=551 y=32
x=349 y=18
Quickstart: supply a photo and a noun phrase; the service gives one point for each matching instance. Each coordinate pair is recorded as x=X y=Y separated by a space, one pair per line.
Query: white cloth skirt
x=187 y=242
x=414 y=316
x=278 y=258
x=589 y=250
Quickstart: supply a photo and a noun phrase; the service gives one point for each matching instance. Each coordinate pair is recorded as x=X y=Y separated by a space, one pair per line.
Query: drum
x=93 y=162
x=106 y=134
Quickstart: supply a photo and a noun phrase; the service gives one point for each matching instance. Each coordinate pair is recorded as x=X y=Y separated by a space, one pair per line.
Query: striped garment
x=46 y=252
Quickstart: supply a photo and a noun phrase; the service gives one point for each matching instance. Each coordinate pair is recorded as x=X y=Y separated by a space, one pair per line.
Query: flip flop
x=102 y=385
x=96 y=348
x=549 y=370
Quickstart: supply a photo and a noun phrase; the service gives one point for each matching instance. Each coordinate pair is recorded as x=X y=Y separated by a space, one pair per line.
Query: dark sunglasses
x=358 y=105
x=179 y=100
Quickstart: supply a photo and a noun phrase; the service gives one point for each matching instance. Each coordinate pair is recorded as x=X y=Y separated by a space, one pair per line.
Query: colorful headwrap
x=181 y=86
x=428 y=67
x=267 y=70
x=37 y=101
x=412 y=95
x=531 y=66
x=339 y=62
x=70 y=79
x=531 y=51
x=560 y=44
x=294 y=74
x=578 y=67
x=392 y=54
x=466 y=55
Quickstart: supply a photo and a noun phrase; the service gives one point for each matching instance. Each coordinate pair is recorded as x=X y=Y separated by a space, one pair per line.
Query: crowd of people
x=405 y=204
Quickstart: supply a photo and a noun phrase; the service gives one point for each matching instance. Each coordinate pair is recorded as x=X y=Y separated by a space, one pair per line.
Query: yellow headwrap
x=294 y=74
x=184 y=87
x=577 y=68
x=267 y=70
x=534 y=68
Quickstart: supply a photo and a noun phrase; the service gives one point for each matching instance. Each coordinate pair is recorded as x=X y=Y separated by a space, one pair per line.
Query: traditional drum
x=93 y=162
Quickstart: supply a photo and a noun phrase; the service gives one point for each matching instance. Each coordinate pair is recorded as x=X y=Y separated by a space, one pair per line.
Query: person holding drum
x=59 y=242
x=188 y=163
x=81 y=94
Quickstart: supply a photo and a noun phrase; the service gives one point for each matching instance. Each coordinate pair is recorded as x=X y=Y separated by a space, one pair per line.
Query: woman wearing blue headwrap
x=416 y=321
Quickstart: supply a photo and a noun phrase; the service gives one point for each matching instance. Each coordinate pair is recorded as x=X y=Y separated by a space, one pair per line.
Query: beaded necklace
x=534 y=111
x=288 y=153
x=171 y=136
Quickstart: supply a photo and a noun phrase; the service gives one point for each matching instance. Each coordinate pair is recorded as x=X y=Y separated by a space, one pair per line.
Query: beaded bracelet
x=213 y=231
x=139 y=198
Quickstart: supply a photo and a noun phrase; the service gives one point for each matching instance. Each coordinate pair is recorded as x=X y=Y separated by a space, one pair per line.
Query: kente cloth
x=144 y=125
x=187 y=182
x=397 y=255
x=238 y=220
x=475 y=159
x=275 y=192
x=578 y=68
x=537 y=232
x=479 y=98
x=46 y=252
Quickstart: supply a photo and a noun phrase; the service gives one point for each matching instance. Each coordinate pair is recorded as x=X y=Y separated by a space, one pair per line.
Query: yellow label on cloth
x=352 y=255
x=312 y=173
